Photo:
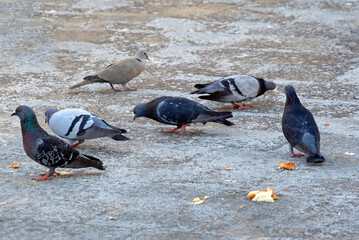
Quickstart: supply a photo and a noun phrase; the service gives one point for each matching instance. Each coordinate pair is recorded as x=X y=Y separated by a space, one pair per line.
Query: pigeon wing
x=179 y=110
x=52 y=151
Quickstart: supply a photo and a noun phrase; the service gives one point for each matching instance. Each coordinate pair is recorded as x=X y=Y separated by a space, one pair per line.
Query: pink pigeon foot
x=241 y=107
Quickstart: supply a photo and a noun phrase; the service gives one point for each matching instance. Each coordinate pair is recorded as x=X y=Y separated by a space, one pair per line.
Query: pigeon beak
x=275 y=90
x=13 y=114
x=148 y=57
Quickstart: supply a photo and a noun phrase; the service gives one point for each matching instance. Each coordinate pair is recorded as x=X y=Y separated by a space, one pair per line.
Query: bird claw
x=45 y=177
x=171 y=131
x=240 y=107
x=181 y=129
x=130 y=89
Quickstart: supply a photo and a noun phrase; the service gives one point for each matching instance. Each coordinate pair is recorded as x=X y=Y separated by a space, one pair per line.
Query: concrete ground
x=46 y=46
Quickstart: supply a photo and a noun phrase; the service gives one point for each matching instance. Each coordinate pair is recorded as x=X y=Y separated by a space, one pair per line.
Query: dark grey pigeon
x=179 y=111
x=48 y=150
x=78 y=124
x=234 y=89
x=300 y=129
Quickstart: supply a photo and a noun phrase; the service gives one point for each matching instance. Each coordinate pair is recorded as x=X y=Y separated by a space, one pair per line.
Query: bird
x=78 y=124
x=119 y=72
x=179 y=111
x=300 y=129
x=234 y=89
x=48 y=150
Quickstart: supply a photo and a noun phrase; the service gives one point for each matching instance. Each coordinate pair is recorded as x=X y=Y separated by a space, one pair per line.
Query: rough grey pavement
x=47 y=46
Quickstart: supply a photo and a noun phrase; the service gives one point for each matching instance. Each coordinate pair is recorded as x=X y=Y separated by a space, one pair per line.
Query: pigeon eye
x=19 y=110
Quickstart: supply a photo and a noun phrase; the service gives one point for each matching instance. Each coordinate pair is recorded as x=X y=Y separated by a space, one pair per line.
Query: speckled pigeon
x=300 y=129
x=234 y=89
x=119 y=72
x=78 y=124
x=48 y=150
x=179 y=111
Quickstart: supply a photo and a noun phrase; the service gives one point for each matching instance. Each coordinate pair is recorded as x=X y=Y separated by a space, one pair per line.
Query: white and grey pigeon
x=78 y=125
x=234 y=89
x=48 y=150
x=179 y=111
x=300 y=129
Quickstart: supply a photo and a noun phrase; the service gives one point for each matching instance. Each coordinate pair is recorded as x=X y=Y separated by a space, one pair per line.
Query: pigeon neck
x=138 y=59
x=292 y=103
x=30 y=126
x=262 y=87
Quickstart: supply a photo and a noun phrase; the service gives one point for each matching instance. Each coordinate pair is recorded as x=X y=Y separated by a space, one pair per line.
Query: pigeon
x=234 y=89
x=119 y=72
x=300 y=129
x=49 y=150
x=78 y=124
x=179 y=111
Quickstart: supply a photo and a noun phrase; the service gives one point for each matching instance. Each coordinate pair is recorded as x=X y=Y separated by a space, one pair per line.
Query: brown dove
x=119 y=72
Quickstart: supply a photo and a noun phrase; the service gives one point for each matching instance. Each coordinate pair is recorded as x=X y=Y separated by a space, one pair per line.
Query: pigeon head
x=139 y=111
x=142 y=54
x=292 y=98
x=49 y=112
x=269 y=85
x=27 y=117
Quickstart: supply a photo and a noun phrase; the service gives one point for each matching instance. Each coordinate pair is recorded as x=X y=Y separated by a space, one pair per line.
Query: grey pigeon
x=48 y=150
x=179 y=111
x=119 y=72
x=234 y=89
x=78 y=124
x=300 y=129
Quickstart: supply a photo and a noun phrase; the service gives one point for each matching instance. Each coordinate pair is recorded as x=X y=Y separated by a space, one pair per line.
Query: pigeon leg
x=292 y=154
x=235 y=105
x=114 y=88
x=46 y=176
x=183 y=128
x=55 y=173
x=78 y=143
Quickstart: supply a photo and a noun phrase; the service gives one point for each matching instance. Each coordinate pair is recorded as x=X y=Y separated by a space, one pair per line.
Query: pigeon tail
x=199 y=87
x=207 y=97
x=318 y=158
x=96 y=162
x=212 y=116
x=225 y=122
x=83 y=161
x=119 y=138
x=88 y=80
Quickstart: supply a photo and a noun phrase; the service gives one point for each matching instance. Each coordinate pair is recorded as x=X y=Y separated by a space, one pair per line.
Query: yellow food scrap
x=86 y=180
x=112 y=218
x=287 y=165
x=326 y=124
x=15 y=166
x=196 y=199
x=228 y=169
x=205 y=197
x=103 y=112
x=263 y=196
x=63 y=173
